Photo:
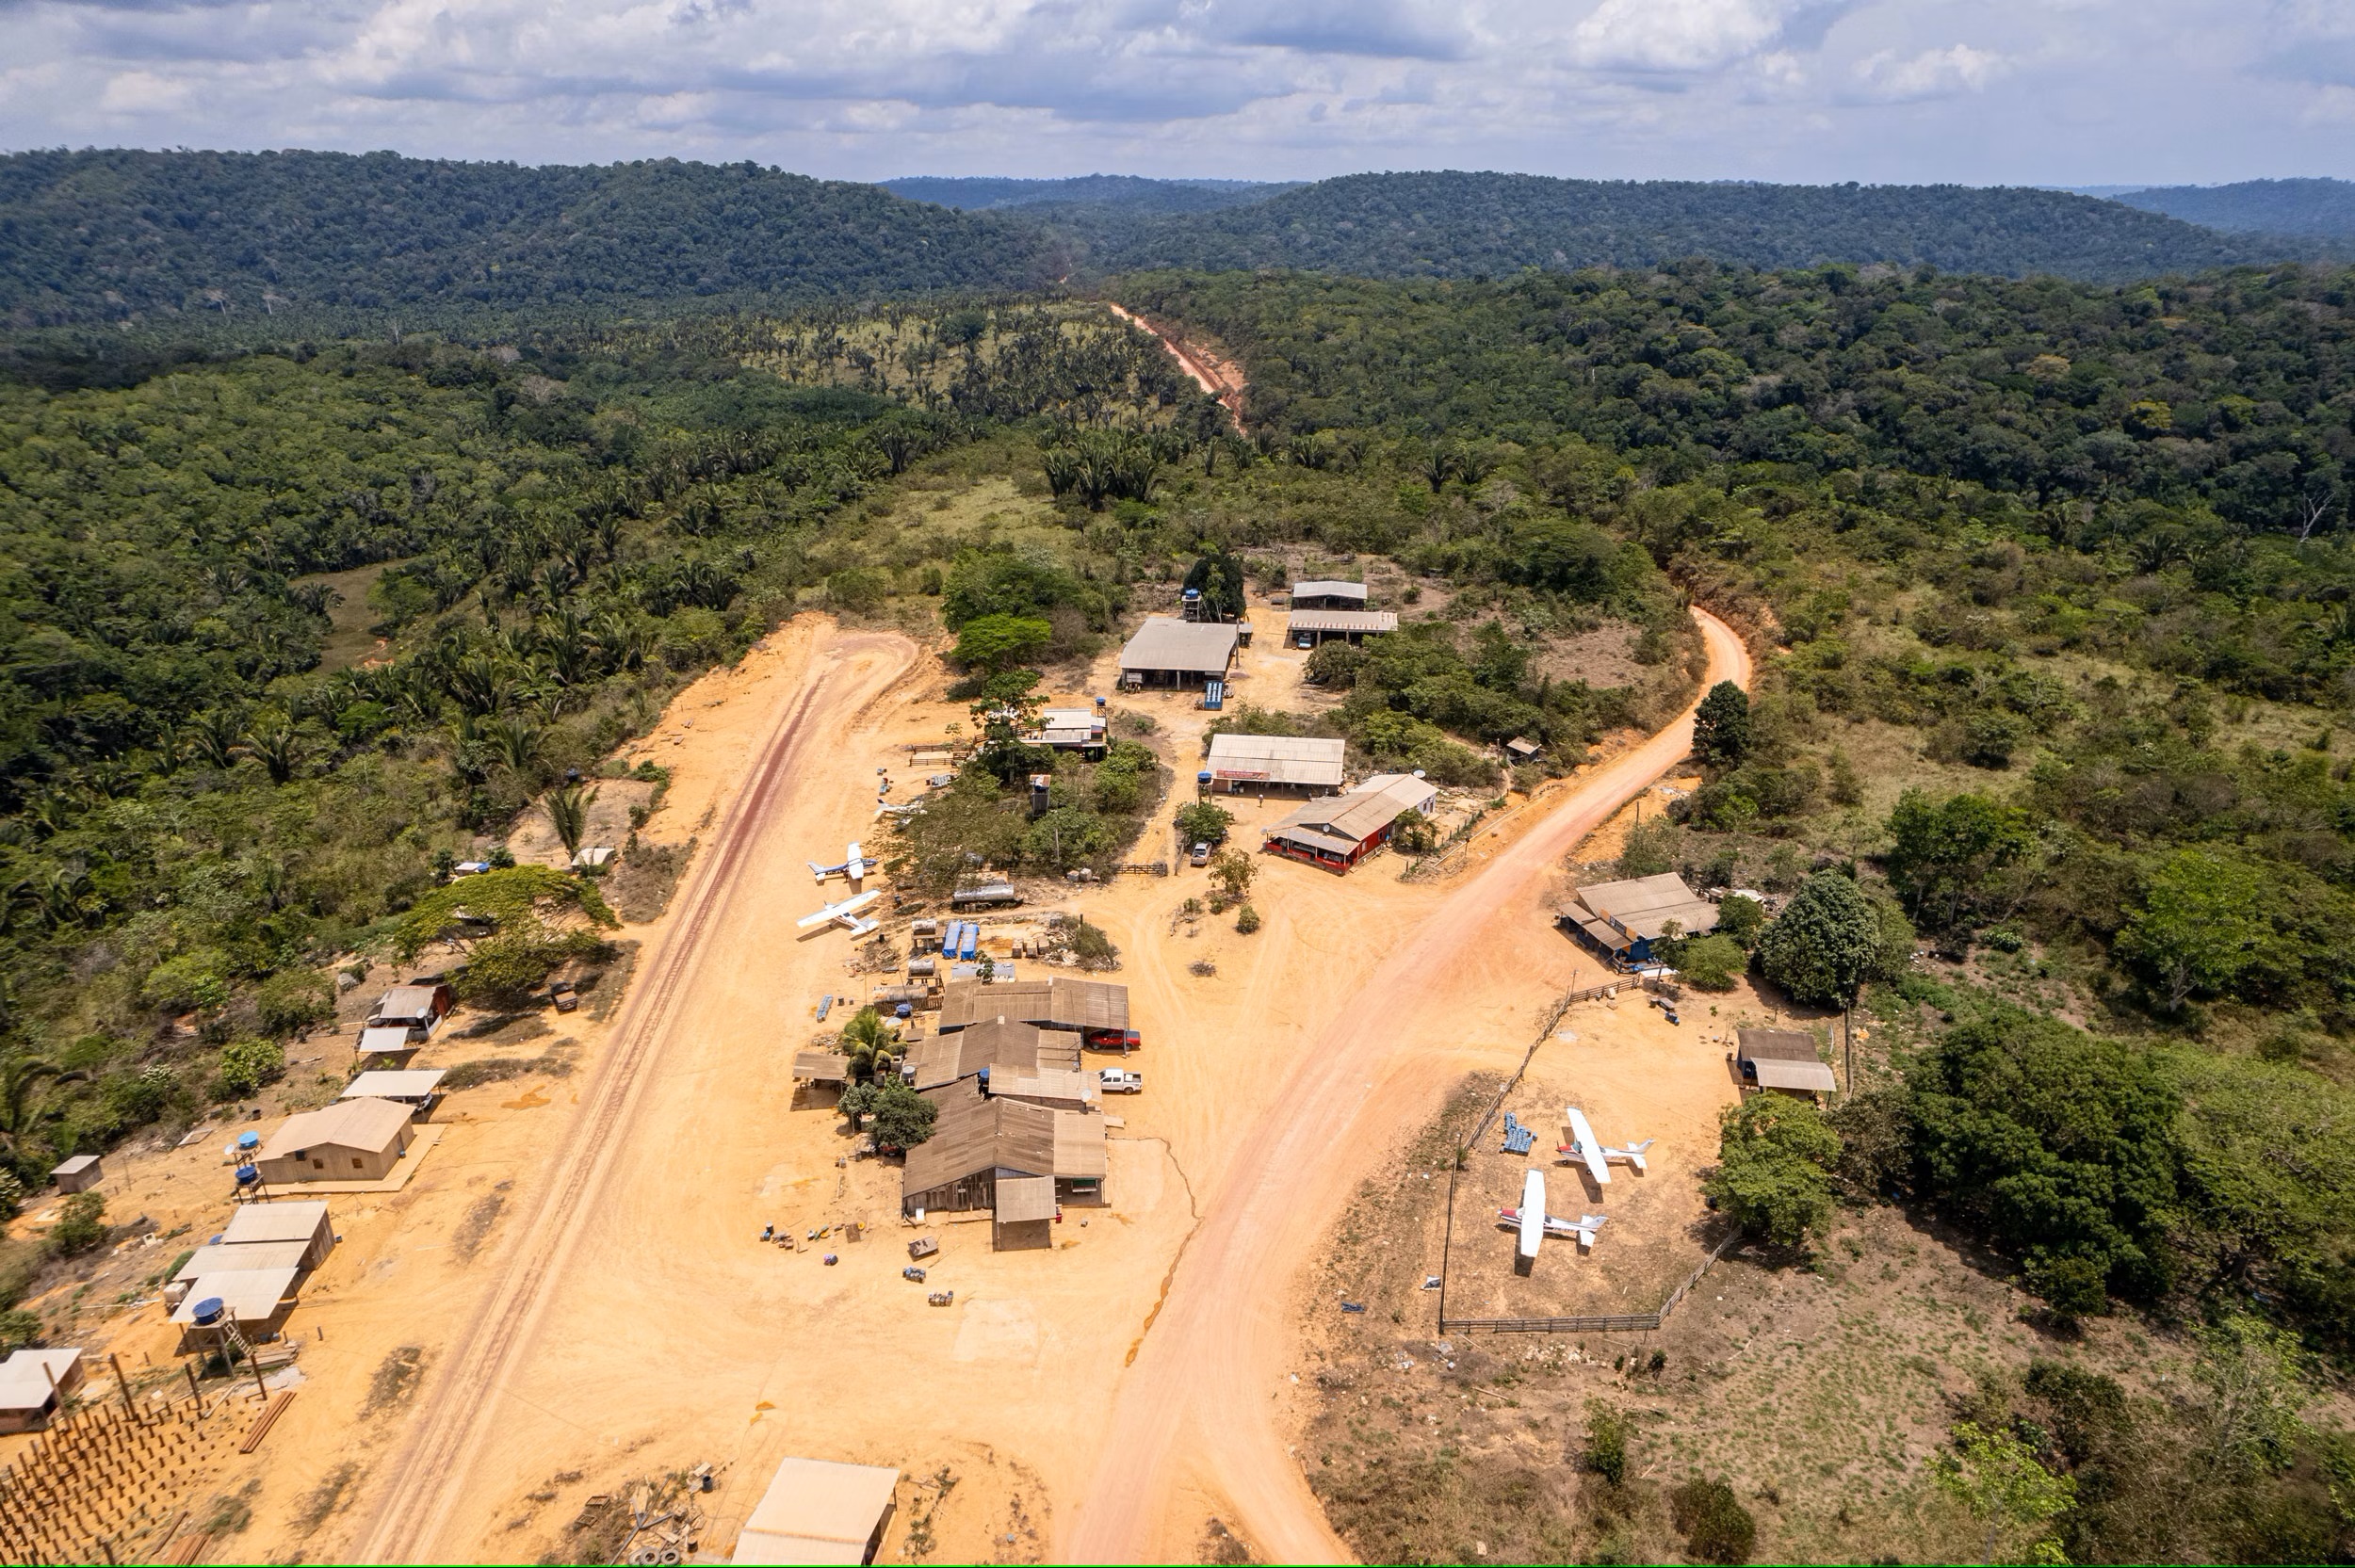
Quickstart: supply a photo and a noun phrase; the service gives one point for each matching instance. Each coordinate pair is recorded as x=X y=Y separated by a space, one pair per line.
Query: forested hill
x=1127 y=192
x=2318 y=208
x=1456 y=225
x=100 y=235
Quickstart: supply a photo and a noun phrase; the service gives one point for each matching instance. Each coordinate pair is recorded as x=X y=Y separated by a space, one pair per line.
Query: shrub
x=12 y=1194
x=995 y=642
x=1606 y=1453
x=294 y=999
x=902 y=1118
x=1715 y=1526
x=1740 y=920
x=1091 y=947
x=1232 y=872
x=1710 y=962
x=81 y=1226
x=193 y=979
x=505 y=970
x=1721 y=725
x=246 y=1065
x=1825 y=943
x=1773 y=1168
x=1411 y=833
x=1200 y=823
x=1247 y=920
x=18 y=1329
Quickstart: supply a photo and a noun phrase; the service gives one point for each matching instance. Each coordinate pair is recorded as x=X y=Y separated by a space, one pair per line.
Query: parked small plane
x=1582 y=1228
x=1582 y=1143
x=853 y=868
x=845 y=914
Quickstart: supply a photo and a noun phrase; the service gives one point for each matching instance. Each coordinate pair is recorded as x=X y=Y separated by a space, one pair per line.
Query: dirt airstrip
x=575 y=1272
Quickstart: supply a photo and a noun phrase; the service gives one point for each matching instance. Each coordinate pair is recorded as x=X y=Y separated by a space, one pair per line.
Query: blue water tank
x=208 y=1311
x=248 y=1175
x=1203 y=777
x=249 y=1140
x=903 y=1011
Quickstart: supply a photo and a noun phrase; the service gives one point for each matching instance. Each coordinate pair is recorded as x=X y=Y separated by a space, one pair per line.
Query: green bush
x=246 y=1065
x=11 y=1193
x=1606 y=1453
x=295 y=999
x=1775 y=1156
x=898 y=1116
x=503 y=971
x=1709 y=962
x=1200 y=823
x=198 y=979
x=1246 y=920
x=1715 y=1526
x=81 y=1225
x=19 y=1328
x=1091 y=947
x=1825 y=943
x=1740 y=920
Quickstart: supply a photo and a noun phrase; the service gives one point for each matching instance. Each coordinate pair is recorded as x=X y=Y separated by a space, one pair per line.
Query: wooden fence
x=1625 y=1322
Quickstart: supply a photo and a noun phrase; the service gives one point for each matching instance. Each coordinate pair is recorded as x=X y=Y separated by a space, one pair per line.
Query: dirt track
x=1198 y=1410
x=423 y=1486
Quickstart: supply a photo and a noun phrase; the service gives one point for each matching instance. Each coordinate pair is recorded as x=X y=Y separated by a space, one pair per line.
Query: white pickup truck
x=1119 y=1080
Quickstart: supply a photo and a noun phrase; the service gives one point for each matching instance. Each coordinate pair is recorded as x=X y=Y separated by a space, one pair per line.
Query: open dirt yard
x=570 y=1294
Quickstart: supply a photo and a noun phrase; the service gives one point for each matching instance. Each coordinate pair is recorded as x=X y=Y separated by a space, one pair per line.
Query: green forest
x=2049 y=766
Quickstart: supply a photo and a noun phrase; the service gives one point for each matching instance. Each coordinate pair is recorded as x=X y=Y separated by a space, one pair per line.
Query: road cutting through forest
x=1195 y=1408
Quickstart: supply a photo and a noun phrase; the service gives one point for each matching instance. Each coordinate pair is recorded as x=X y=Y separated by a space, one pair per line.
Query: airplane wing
x=1585 y=1147
x=1533 y=1212
x=842 y=912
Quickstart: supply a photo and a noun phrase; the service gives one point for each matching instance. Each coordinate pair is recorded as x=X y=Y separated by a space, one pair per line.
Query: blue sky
x=1979 y=91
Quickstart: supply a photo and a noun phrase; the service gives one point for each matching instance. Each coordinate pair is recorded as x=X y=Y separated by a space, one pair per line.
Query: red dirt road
x=1197 y=1404
x=424 y=1482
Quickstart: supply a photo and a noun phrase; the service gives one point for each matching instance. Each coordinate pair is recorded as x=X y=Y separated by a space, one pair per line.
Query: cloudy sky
x=1982 y=92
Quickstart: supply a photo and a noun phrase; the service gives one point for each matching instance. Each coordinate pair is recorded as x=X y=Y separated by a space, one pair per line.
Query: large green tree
x=2201 y=923
x=1825 y=945
x=1775 y=1156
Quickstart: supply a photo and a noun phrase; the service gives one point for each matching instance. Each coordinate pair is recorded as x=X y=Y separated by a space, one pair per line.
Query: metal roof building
x=1329 y=594
x=1306 y=628
x=1339 y=831
x=1782 y=1059
x=1085 y=1007
x=979 y=1140
x=349 y=1140
x=1625 y=919
x=1307 y=762
x=816 y=1511
x=1168 y=652
x=413 y=1085
x=997 y=1045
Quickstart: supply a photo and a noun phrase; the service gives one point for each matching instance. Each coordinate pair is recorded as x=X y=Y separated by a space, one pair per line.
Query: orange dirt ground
x=578 y=1259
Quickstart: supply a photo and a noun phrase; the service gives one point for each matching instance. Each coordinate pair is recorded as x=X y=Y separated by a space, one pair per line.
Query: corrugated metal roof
x=1643 y=906
x=1308 y=838
x=370 y=1125
x=1364 y=810
x=230 y=1258
x=816 y=1511
x=1066 y=1088
x=406 y=1083
x=999 y=1043
x=294 y=1222
x=408 y=1001
x=822 y=1066
x=1286 y=759
x=1794 y=1075
x=1079 y=1151
x=1049 y=1002
x=972 y=1135
x=1328 y=588
x=1342 y=621
x=252 y=1295
x=1195 y=646
x=1059 y=1050
x=1776 y=1045
x=1021 y=1198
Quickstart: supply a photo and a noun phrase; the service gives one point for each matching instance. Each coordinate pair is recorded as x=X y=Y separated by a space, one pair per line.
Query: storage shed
x=1784 y=1059
x=1337 y=831
x=351 y=1141
x=1023 y=1216
x=258 y=1300
x=816 y=1511
x=822 y=1067
x=33 y=1383
x=1169 y=652
x=1253 y=762
x=78 y=1175
x=418 y=1009
x=1624 y=920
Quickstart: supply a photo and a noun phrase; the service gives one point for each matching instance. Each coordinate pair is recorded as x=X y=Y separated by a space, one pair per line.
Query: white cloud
x=1885 y=78
x=2075 y=91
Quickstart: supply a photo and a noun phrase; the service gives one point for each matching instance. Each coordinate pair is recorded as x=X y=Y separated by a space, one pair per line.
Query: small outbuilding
x=816 y=1511
x=1023 y=1216
x=387 y=1045
x=417 y=1008
x=417 y=1087
x=1784 y=1059
x=822 y=1067
x=1254 y=762
x=78 y=1175
x=33 y=1383
x=1079 y=730
x=351 y=1141
x=1329 y=594
x=1340 y=831
x=1169 y=652
x=257 y=1299
x=1626 y=920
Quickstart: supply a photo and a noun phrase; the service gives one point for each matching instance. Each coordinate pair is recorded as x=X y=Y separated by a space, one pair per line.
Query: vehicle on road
x=1201 y=855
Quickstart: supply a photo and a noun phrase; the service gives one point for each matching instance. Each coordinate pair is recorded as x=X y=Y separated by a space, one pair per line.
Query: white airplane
x=846 y=913
x=1582 y=1228
x=853 y=868
x=1582 y=1143
x=1532 y=1220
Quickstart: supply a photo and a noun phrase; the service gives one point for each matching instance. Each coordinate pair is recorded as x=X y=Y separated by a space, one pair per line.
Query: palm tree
x=867 y=1041
x=215 y=736
x=568 y=812
x=515 y=741
x=18 y=1107
x=273 y=743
